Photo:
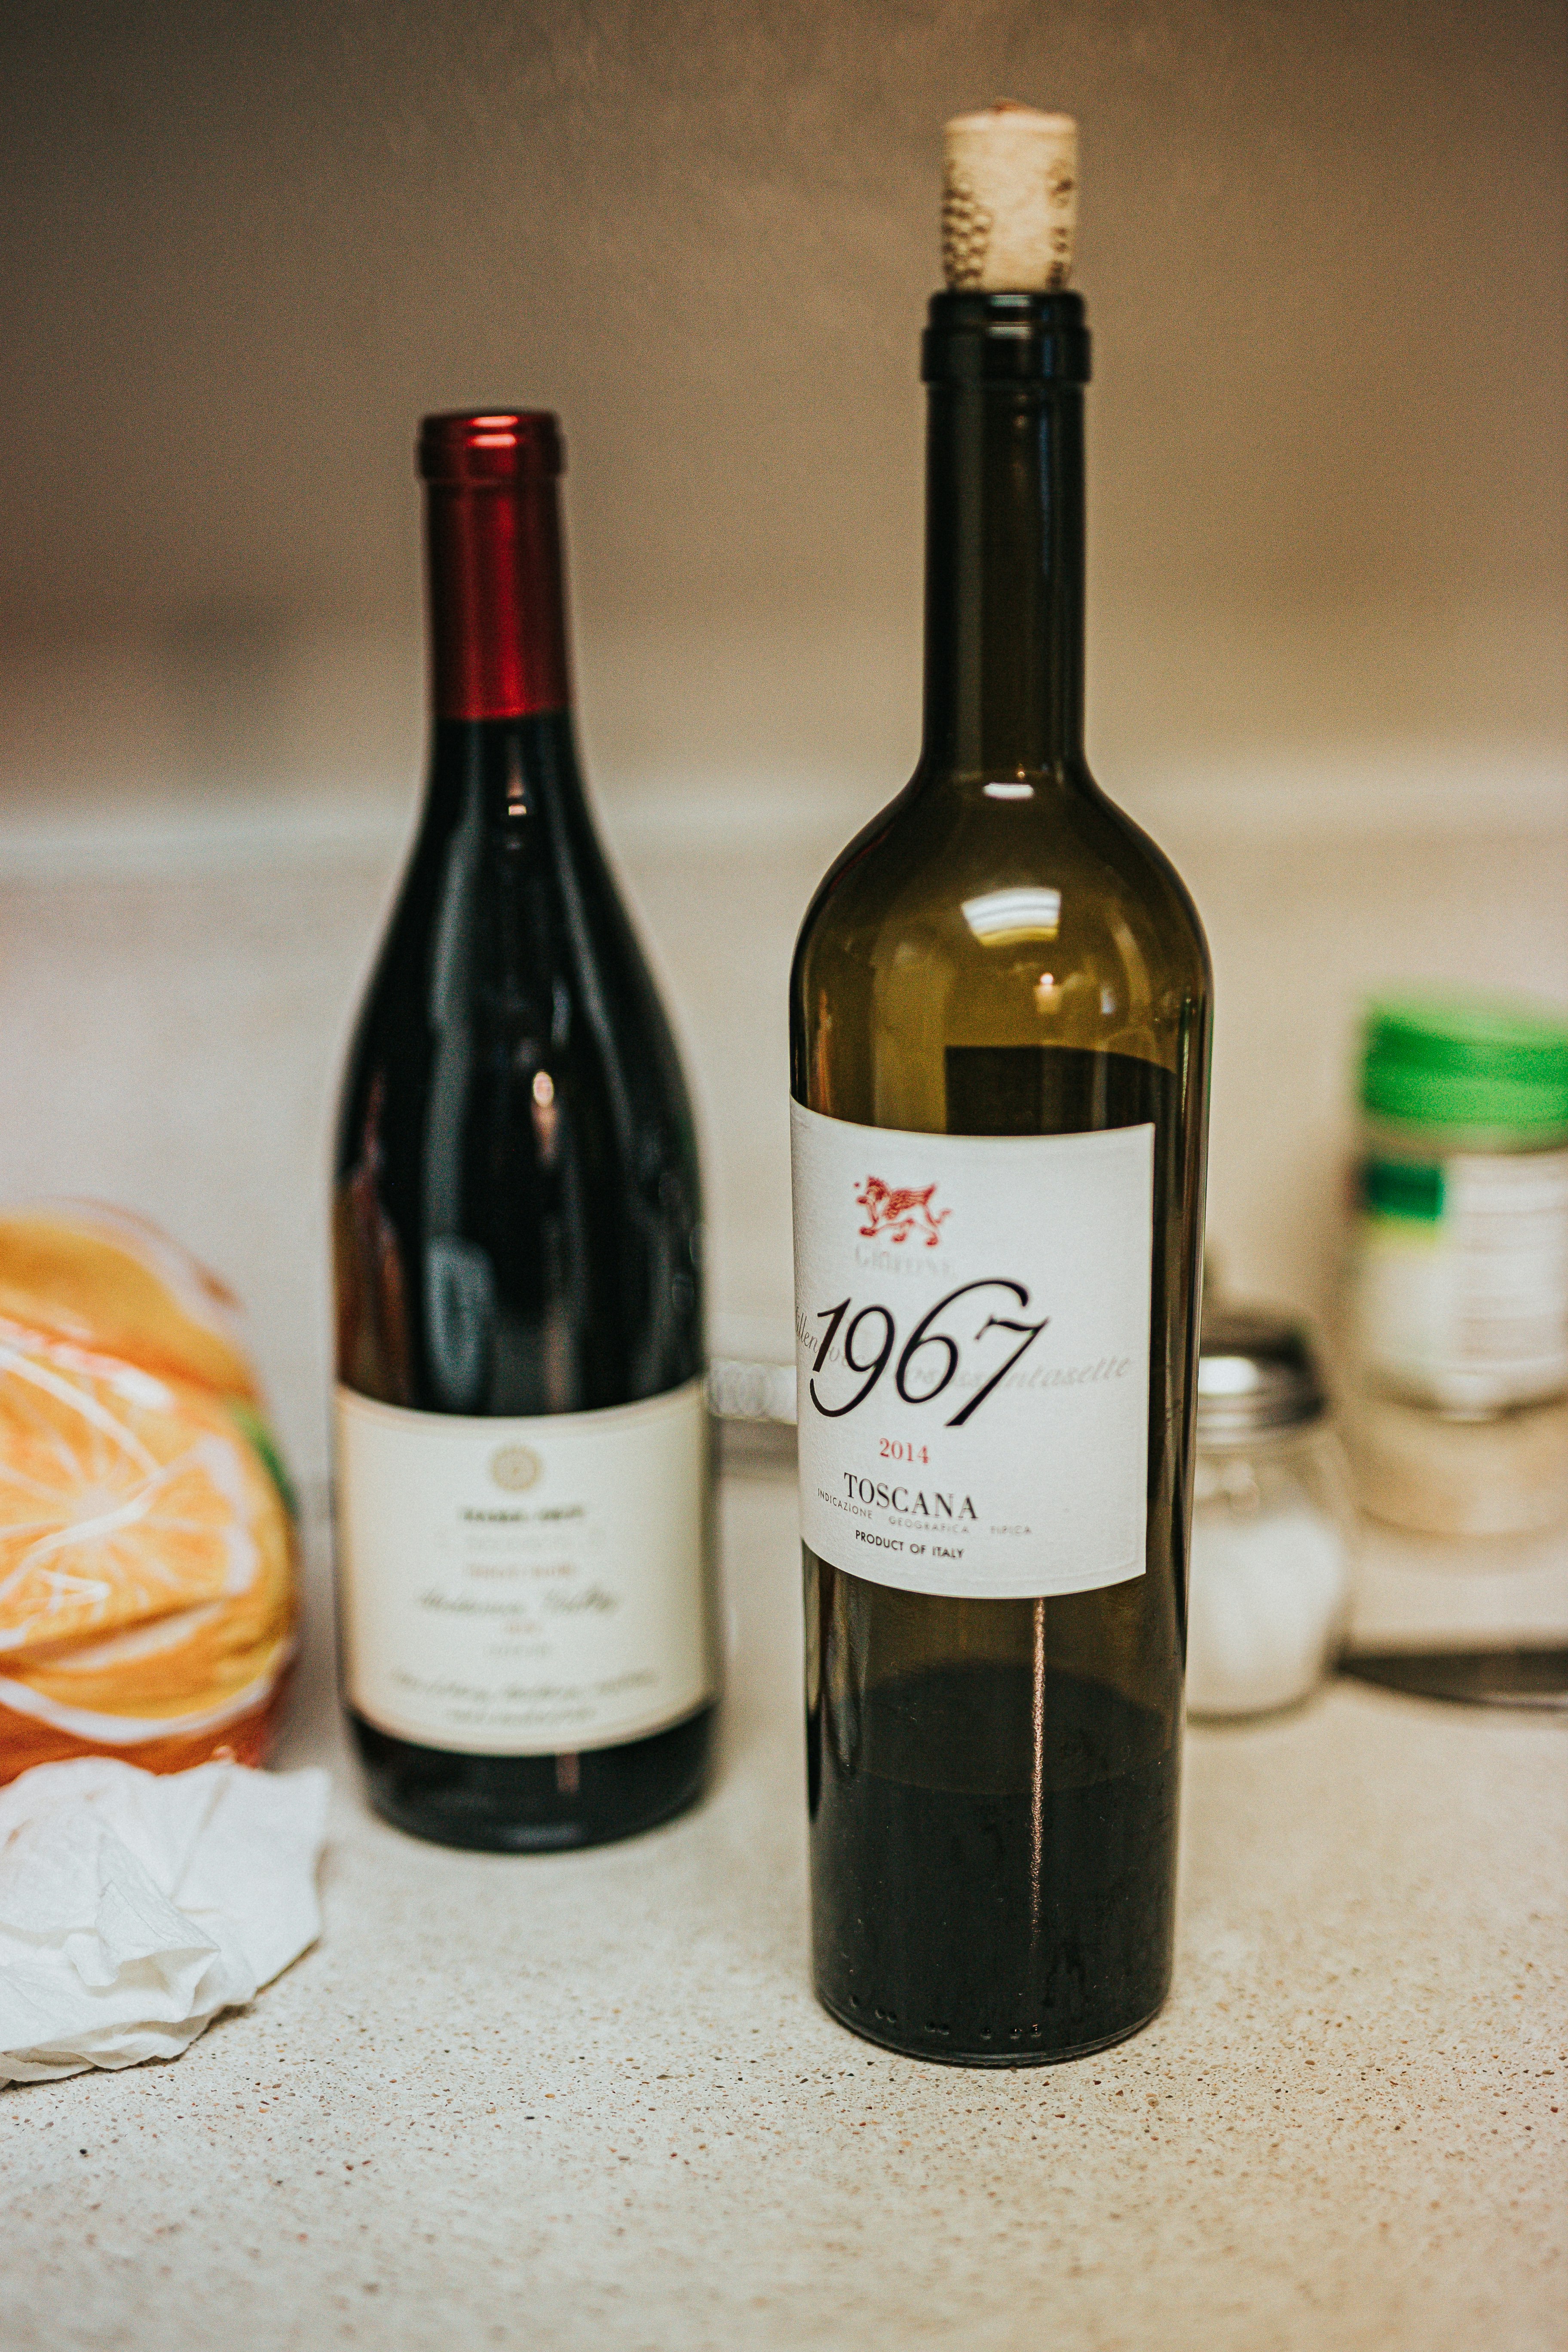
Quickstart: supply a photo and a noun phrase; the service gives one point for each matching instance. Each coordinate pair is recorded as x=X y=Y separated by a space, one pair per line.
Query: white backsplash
x=177 y=981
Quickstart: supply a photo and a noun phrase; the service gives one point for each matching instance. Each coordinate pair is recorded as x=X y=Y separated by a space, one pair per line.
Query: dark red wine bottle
x=523 y=1486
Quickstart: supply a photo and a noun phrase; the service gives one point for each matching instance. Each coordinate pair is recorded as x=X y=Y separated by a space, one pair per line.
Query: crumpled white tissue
x=135 y=1906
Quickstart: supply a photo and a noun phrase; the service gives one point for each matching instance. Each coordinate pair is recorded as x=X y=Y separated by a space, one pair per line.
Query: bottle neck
x=1004 y=535
x=510 y=784
x=496 y=606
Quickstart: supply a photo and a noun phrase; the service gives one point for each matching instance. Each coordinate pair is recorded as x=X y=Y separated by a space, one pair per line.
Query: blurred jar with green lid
x=1459 y=1264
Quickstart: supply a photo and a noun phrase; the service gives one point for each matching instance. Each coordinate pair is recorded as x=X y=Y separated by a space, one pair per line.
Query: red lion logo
x=898 y=1213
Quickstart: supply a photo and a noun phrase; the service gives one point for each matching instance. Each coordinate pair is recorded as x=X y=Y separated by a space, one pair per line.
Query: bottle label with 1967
x=972 y=1344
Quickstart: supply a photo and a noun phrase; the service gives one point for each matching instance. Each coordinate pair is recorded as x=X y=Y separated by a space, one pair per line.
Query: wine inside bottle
x=523 y=1486
x=999 y=1021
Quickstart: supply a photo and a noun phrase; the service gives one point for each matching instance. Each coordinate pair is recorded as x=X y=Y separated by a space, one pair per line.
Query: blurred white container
x=1457 y=1420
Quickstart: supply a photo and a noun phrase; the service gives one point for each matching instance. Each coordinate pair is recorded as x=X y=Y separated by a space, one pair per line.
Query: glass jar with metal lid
x=1458 y=1275
x=1273 y=1525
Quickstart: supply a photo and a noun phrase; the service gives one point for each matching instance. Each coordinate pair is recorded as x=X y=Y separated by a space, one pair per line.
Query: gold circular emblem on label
x=515 y=1467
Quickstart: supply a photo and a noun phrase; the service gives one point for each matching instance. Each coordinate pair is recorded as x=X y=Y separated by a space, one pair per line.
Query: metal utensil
x=1532 y=1675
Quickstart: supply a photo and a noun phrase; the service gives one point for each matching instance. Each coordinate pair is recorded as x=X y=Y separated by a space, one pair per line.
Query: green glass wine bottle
x=999 y=1022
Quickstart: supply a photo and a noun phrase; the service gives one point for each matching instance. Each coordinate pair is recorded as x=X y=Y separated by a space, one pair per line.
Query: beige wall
x=244 y=247
x=247 y=245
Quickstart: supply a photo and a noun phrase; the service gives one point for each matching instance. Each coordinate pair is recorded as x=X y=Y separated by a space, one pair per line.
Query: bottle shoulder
x=968 y=876
x=500 y=910
x=511 y=969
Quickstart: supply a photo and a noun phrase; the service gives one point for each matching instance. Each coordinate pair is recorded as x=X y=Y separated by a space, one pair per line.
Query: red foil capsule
x=494 y=565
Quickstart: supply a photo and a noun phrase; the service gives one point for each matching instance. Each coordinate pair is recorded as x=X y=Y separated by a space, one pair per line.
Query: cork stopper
x=1009 y=200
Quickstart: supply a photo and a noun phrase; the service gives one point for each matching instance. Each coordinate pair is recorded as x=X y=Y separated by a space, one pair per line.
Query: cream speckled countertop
x=589 y=2100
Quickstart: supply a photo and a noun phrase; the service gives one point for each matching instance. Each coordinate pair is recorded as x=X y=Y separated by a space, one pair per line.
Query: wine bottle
x=999 y=1026
x=523 y=1479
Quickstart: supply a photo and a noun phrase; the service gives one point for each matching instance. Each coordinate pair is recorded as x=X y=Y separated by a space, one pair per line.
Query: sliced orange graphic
x=120 y=1498
x=146 y=1556
x=81 y=1271
x=146 y=1596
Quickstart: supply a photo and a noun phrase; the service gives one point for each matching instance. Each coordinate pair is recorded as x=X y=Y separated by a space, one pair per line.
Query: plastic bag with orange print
x=148 y=1560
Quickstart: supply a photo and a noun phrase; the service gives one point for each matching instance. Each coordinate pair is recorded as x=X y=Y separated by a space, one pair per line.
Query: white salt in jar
x=1273 y=1525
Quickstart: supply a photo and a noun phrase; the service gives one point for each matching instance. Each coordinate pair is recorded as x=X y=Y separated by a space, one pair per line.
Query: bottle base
x=536 y=1804
x=868 y=2029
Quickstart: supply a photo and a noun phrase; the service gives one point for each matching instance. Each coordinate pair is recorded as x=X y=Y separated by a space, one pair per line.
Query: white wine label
x=523 y=1587
x=971 y=1343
